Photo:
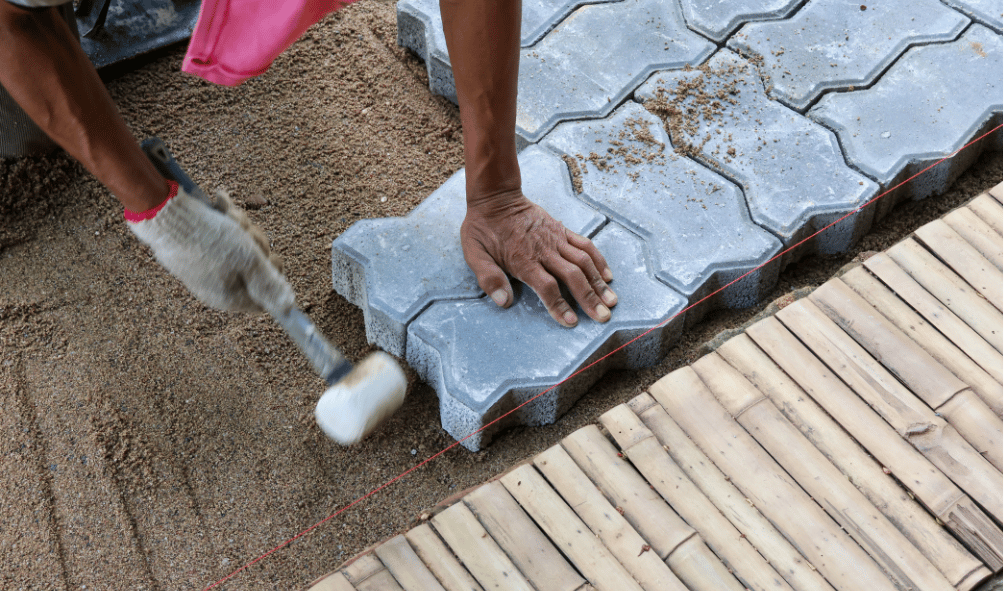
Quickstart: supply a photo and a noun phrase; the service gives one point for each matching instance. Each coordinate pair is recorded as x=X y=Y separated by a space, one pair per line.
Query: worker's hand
x=216 y=252
x=511 y=234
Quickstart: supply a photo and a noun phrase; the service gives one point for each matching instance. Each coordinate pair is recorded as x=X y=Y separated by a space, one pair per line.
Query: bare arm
x=504 y=231
x=45 y=70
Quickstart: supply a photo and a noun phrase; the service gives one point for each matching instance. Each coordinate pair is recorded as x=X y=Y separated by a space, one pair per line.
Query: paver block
x=835 y=45
x=420 y=29
x=694 y=222
x=590 y=62
x=985 y=12
x=717 y=20
x=393 y=268
x=484 y=361
x=790 y=168
x=932 y=102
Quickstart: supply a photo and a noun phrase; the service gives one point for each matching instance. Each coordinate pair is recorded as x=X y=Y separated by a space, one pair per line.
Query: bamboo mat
x=850 y=442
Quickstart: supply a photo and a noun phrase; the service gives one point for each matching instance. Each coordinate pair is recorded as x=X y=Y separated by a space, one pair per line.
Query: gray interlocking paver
x=717 y=20
x=835 y=45
x=985 y=12
x=420 y=29
x=484 y=361
x=932 y=102
x=790 y=168
x=394 y=267
x=588 y=64
x=694 y=222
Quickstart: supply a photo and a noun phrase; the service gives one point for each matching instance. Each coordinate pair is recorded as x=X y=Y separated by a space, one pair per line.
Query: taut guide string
x=657 y=326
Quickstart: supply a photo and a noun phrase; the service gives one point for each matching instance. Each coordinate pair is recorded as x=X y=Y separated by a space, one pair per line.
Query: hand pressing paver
x=695 y=223
x=985 y=12
x=585 y=66
x=790 y=168
x=393 y=268
x=835 y=45
x=932 y=102
x=717 y=20
x=420 y=29
x=484 y=361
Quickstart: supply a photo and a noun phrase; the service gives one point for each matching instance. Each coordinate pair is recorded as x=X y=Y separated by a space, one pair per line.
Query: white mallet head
x=359 y=402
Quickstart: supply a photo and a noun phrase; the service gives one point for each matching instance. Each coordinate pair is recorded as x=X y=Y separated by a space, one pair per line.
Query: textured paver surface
x=695 y=145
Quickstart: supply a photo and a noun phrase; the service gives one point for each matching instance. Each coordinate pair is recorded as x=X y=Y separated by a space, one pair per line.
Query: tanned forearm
x=48 y=74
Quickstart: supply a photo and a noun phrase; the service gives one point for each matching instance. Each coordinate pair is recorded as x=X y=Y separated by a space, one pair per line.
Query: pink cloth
x=235 y=40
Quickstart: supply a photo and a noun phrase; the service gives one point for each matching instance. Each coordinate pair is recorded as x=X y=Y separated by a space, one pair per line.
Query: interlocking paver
x=695 y=223
x=790 y=168
x=484 y=361
x=394 y=267
x=420 y=29
x=933 y=101
x=717 y=20
x=838 y=45
x=590 y=62
x=985 y=12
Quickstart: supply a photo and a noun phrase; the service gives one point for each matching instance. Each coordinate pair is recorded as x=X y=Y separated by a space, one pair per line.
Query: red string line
x=657 y=326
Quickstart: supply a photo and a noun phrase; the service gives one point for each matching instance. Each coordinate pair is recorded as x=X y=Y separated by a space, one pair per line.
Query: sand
x=149 y=443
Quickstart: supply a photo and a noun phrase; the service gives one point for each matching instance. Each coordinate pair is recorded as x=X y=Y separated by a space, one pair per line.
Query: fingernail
x=609 y=297
x=603 y=313
x=608 y=275
x=570 y=318
x=499 y=297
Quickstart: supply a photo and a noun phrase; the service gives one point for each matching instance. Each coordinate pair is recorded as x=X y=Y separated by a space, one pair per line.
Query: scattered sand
x=149 y=443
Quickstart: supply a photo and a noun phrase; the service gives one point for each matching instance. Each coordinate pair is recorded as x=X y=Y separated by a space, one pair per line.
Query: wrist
x=151 y=206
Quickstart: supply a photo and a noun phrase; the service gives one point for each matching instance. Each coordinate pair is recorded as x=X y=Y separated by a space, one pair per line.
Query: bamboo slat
x=477 y=550
x=997 y=193
x=964 y=260
x=948 y=287
x=927 y=337
x=381 y=581
x=962 y=569
x=844 y=564
x=563 y=526
x=989 y=211
x=362 y=568
x=408 y=569
x=818 y=477
x=440 y=560
x=960 y=333
x=648 y=455
x=939 y=388
x=669 y=536
x=977 y=233
x=740 y=512
x=521 y=539
x=336 y=581
x=929 y=484
x=909 y=416
x=624 y=543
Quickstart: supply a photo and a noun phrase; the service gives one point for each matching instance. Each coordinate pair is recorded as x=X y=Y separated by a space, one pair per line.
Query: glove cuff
x=132 y=216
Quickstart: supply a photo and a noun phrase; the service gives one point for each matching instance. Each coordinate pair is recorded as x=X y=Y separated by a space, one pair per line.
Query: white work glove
x=216 y=252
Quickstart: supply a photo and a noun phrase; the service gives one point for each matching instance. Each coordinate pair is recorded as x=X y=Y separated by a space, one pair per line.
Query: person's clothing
x=235 y=40
x=19 y=136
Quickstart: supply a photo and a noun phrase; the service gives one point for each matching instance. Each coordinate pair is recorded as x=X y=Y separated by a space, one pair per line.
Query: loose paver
x=484 y=361
x=589 y=63
x=790 y=168
x=395 y=267
x=718 y=20
x=838 y=45
x=694 y=222
x=932 y=102
x=691 y=164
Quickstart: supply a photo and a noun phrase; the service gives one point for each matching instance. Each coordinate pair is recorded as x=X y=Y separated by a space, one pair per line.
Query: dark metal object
x=117 y=30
